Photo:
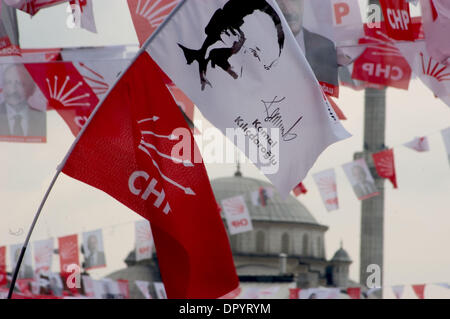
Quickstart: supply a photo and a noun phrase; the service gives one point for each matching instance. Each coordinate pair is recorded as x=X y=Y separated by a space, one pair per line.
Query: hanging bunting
x=300 y=189
x=419 y=290
x=262 y=196
x=419 y=144
x=160 y=290
x=361 y=180
x=43 y=256
x=237 y=215
x=385 y=166
x=398 y=291
x=9 y=31
x=319 y=293
x=26 y=268
x=326 y=182
x=354 y=292
x=144 y=240
x=68 y=253
x=93 y=250
x=83 y=11
x=144 y=288
x=294 y=293
x=446 y=136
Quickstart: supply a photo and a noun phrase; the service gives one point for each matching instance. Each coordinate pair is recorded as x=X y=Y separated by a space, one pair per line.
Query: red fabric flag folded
x=385 y=166
x=419 y=290
x=138 y=149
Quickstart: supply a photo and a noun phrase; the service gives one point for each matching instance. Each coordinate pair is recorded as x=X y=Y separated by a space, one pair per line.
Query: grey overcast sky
x=417 y=214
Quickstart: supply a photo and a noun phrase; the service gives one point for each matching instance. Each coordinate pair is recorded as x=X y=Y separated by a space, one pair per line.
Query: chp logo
x=236 y=214
x=153 y=145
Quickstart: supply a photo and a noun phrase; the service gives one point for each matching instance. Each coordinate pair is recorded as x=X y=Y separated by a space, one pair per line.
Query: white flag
x=26 y=268
x=326 y=182
x=262 y=196
x=398 y=291
x=435 y=75
x=43 y=256
x=236 y=214
x=239 y=63
x=83 y=14
x=446 y=136
x=144 y=240
x=361 y=180
x=420 y=144
x=144 y=288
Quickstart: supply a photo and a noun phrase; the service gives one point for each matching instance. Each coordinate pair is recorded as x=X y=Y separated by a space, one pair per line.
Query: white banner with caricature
x=239 y=63
x=144 y=240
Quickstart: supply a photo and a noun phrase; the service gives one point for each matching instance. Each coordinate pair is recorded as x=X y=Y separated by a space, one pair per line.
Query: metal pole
x=61 y=166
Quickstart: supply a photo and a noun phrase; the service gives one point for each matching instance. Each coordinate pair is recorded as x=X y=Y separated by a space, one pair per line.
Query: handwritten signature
x=274 y=116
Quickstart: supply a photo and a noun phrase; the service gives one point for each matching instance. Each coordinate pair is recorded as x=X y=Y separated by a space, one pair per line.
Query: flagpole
x=61 y=166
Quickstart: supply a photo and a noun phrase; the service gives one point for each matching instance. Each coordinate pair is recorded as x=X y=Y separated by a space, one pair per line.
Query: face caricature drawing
x=227 y=34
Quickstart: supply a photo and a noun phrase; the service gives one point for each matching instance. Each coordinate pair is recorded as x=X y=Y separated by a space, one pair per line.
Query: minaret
x=372 y=209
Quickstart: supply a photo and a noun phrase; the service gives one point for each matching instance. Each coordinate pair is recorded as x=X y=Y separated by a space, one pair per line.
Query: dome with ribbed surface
x=342 y=256
x=277 y=209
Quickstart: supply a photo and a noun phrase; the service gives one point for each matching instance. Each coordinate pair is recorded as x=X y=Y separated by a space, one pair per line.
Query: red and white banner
x=68 y=253
x=144 y=287
x=419 y=290
x=300 y=189
x=88 y=286
x=274 y=89
x=419 y=144
x=183 y=101
x=144 y=240
x=294 y=293
x=147 y=15
x=385 y=165
x=151 y=177
x=398 y=291
x=66 y=91
x=43 y=256
x=436 y=21
x=32 y=6
x=381 y=62
x=347 y=21
x=9 y=32
x=326 y=182
x=354 y=292
x=446 y=137
x=237 y=215
x=262 y=196
x=26 y=268
x=398 y=19
x=360 y=178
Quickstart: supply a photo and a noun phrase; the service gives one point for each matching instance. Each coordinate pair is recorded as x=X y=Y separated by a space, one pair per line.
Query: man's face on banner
x=359 y=173
x=92 y=243
x=293 y=12
x=17 y=85
x=254 y=49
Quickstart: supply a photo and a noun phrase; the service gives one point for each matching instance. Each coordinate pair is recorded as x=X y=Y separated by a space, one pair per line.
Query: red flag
x=419 y=290
x=336 y=109
x=354 y=292
x=398 y=19
x=3 y=279
x=300 y=189
x=381 y=62
x=138 y=149
x=66 y=91
x=68 y=253
x=385 y=166
x=147 y=15
x=294 y=293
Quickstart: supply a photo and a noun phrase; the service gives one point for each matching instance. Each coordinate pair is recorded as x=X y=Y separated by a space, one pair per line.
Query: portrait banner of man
x=26 y=268
x=21 y=119
x=319 y=49
x=94 y=255
x=361 y=180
